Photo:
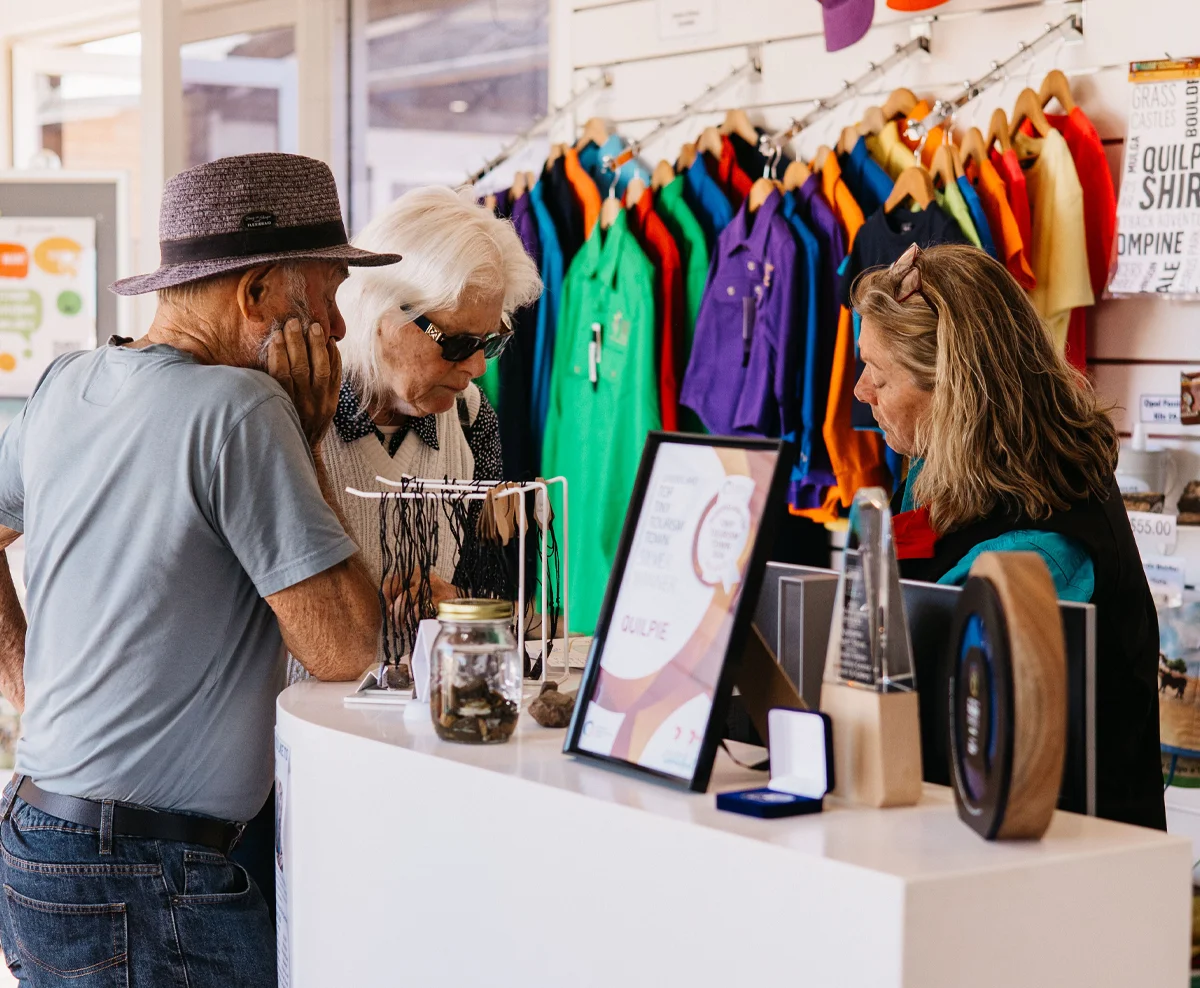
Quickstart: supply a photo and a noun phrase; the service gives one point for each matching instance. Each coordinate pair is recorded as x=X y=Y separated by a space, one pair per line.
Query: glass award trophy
x=870 y=688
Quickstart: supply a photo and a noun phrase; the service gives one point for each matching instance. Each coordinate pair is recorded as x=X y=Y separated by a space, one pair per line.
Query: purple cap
x=846 y=21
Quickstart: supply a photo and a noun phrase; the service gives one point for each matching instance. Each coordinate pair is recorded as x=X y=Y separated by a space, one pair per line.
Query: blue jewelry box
x=801 y=752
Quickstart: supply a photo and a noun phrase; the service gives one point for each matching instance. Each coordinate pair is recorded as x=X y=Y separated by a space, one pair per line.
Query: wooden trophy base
x=876 y=744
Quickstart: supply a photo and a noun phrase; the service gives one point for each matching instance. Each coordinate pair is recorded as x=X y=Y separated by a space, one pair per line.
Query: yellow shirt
x=890 y=151
x=1059 y=248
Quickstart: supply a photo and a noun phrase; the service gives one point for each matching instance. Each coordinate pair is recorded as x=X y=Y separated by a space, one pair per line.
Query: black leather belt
x=131 y=821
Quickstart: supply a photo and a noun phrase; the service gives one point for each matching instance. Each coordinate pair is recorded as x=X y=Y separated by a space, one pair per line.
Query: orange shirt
x=1006 y=232
x=840 y=198
x=933 y=140
x=585 y=190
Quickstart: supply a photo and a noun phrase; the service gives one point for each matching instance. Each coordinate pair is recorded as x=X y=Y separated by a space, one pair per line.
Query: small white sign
x=1166 y=576
x=1154 y=533
x=1160 y=409
x=686 y=18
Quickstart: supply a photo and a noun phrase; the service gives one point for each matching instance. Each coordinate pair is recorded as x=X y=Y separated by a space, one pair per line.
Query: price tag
x=1160 y=409
x=1166 y=576
x=1154 y=533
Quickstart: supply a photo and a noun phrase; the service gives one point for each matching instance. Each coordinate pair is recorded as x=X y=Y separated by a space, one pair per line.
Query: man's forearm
x=12 y=639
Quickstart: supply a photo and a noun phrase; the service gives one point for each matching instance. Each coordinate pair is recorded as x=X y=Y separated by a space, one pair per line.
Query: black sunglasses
x=459 y=348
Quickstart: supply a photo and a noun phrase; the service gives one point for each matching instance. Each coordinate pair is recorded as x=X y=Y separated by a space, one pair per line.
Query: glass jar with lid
x=475 y=672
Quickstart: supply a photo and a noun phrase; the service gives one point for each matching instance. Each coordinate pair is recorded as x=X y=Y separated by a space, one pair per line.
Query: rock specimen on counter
x=552 y=708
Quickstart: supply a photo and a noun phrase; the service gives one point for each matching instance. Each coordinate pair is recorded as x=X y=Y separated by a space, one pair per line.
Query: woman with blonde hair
x=1010 y=450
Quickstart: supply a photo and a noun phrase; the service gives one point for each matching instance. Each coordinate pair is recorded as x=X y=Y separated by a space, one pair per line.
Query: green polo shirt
x=595 y=432
x=688 y=234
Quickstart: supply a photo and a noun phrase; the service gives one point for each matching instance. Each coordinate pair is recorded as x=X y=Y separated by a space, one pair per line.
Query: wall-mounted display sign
x=1158 y=211
x=678 y=606
x=47 y=295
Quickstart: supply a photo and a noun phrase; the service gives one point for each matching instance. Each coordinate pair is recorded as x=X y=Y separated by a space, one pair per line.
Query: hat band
x=250 y=243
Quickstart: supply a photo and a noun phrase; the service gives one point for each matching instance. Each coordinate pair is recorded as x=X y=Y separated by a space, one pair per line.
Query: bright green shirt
x=595 y=433
x=489 y=384
x=688 y=235
x=952 y=201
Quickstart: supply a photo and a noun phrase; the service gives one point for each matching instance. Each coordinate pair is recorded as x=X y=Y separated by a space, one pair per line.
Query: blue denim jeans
x=91 y=909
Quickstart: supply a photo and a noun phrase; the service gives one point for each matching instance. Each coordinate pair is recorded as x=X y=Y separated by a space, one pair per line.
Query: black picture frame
x=747 y=600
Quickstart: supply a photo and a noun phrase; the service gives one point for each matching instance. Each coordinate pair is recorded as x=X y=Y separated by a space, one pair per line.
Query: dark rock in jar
x=473 y=714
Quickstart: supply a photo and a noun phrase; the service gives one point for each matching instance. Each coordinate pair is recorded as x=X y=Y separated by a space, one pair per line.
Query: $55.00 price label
x=1154 y=533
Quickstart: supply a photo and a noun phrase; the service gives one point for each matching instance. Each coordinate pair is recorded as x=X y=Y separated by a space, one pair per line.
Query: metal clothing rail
x=603 y=81
x=943 y=110
x=770 y=143
x=752 y=65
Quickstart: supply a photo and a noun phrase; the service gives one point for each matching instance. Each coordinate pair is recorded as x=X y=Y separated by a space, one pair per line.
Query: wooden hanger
x=489 y=201
x=914 y=183
x=998 y=130
x=687 y=156
x=662 y=176
x=609 y=212
x=595 y=131
x=1028 y=108
x=899 y=104
x=634 y=191
x=556 y=152
x=945 y=164
x=849 y=137
x=823 y=152
x=796 y=175
x=973 y=147
x=873 y=121
x=710 y=142
x=760 y=191
x=1056 y=86
x=518 y=187
x=736 y=122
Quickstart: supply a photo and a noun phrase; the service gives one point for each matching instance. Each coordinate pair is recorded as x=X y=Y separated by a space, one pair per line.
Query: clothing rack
x=770 y=144
x=752 y=65
x=943 y=110
x=603 y=81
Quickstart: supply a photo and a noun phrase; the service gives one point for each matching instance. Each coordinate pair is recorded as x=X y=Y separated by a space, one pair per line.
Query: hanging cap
x=914 y=5
x=846 y=21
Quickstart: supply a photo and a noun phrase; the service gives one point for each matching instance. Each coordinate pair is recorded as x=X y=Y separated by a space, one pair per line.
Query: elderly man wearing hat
x=179 y=531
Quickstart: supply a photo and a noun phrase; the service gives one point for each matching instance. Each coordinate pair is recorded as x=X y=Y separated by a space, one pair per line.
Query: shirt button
x=750 y=266
x=731 y=290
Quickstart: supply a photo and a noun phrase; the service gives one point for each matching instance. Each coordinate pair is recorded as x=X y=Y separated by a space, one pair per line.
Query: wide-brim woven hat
x=236 y=213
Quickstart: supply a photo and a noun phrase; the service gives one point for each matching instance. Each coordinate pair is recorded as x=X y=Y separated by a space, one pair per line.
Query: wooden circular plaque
x=1008 y=697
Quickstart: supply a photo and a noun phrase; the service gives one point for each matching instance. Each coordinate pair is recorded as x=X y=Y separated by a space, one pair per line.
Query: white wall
x=1137 y=346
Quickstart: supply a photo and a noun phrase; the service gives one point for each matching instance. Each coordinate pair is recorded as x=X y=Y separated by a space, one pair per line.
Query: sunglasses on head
x=458 y=348
x=907 y=273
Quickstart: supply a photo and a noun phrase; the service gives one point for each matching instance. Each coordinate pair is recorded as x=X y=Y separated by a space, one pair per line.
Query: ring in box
x=801 y=747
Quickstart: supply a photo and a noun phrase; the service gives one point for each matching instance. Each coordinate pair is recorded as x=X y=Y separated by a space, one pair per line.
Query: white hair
x=452 y=247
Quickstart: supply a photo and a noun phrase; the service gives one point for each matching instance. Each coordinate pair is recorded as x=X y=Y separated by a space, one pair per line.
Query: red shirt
x=656 y=241
x=732 y=179
x=1018 y=196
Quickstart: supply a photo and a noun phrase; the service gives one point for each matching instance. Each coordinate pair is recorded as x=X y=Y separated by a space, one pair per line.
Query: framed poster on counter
x=678 y=606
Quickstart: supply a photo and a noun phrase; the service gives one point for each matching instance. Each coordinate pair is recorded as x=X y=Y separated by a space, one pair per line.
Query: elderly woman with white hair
x=416 y=338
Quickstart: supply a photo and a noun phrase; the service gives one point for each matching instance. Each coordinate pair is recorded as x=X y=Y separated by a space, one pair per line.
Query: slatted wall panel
x=1136 y=346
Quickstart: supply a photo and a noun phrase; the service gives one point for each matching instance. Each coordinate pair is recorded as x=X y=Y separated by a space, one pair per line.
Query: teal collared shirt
x=1069 y=564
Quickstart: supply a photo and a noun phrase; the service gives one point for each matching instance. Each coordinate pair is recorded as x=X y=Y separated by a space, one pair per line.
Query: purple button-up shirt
x=741 y=377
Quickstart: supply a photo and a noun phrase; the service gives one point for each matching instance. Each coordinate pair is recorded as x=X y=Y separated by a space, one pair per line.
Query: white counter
x=421 y=863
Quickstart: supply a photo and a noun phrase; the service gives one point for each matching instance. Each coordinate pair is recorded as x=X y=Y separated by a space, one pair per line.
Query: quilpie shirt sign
x=1158 y=211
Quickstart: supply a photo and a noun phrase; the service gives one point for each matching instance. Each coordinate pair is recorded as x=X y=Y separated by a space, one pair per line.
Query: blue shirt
x=868 y=182
x=1070 y=566
x=750 y=303
x=807 y=325
x=552 y=278
x=978 y=216
x=707 y=201
x=592 y=159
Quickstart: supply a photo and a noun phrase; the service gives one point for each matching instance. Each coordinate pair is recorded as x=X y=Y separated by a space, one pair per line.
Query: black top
x=880 y=242
x=564 y=210
x=1128 y=764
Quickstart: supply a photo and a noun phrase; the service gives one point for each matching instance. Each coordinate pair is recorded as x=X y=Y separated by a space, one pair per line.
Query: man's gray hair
x=452 y=247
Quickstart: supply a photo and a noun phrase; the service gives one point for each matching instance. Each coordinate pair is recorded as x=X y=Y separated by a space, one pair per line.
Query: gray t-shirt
x=161 y=500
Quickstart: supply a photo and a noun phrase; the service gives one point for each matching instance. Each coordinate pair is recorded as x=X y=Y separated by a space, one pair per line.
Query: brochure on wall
x=47 y=296
x=680 y=581
x=1158 y=211
x=283 y=943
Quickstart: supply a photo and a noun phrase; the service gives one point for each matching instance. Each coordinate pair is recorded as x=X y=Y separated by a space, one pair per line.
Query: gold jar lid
x=469 y=609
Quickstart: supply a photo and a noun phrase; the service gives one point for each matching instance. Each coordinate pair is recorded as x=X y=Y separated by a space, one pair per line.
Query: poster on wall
x=47 y=295
x=678 y=605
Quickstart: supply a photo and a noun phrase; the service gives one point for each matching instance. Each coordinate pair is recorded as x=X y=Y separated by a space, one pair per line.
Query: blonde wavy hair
x=1011 y=425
